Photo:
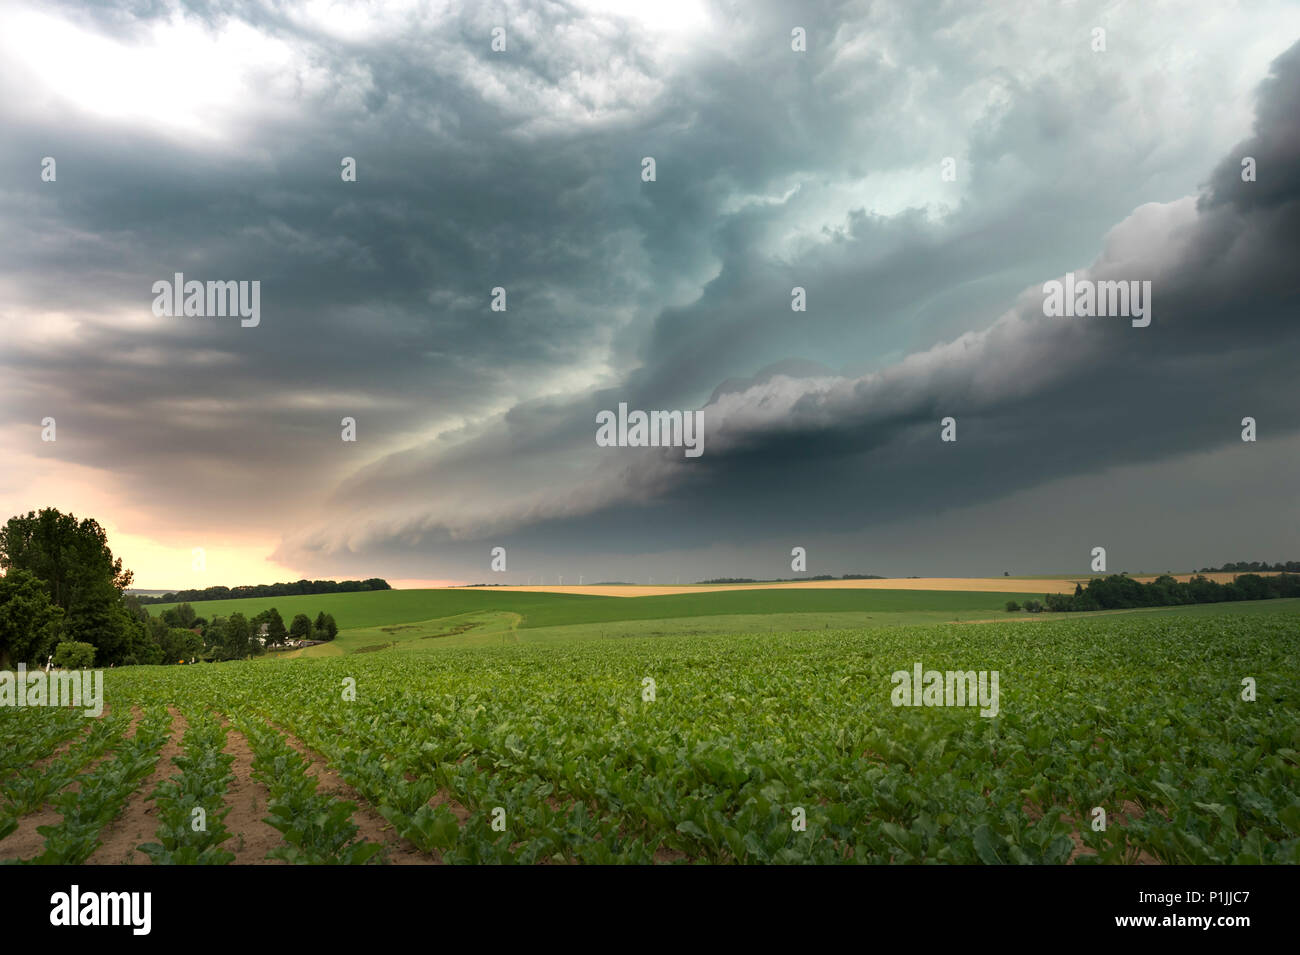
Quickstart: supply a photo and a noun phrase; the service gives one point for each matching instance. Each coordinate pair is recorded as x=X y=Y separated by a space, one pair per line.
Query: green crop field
x=409 y=619
x=488 y=627
x=659 y=746
x=389 y=607
x=385 y=607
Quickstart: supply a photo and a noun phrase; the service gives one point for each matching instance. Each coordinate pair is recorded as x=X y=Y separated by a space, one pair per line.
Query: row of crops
x=766 y=748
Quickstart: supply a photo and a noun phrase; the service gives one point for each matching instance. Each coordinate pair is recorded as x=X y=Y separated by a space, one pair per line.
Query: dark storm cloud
x=375 y=293
x=802 y=450
x=774 y=170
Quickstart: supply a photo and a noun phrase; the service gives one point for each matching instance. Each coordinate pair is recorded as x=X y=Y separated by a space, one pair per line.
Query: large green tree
x=67 y=554
x=180 y=616
x=300 y=629
x=74 y=563
x=178 y=645
x=238 y=637
x=29 y=620
x=214 y=638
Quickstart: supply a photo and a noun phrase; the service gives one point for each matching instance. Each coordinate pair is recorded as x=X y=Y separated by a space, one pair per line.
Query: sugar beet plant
x=101 y=793
x=28 y=734
x=190 y=805
x=1140 y=713
x=30 y=788
x=787 y=747
x=317 y=828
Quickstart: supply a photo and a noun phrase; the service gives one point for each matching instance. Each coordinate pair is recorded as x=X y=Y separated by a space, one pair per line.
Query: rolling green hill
x=392 y=607
x=385 y=607
x=423 y=619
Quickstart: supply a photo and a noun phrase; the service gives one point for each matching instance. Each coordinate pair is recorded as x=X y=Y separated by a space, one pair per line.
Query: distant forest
x=270 y=590
x=1254 y=566
x=1119 y=592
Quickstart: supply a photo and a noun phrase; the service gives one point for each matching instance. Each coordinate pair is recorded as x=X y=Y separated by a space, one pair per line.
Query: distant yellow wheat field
x=1002 y=585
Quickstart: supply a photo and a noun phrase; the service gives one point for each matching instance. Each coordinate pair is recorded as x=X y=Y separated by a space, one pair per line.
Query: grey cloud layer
x=477 y=171
x=1037 y=399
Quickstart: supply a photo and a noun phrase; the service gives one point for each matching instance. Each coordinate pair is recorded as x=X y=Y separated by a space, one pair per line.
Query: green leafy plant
x=195 y=794
x=1141 y=716
x=317 y=829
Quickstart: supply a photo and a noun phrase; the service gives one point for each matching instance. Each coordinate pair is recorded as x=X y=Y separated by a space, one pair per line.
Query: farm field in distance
x=472 y=725
x=532 y=610
x=1040 y=583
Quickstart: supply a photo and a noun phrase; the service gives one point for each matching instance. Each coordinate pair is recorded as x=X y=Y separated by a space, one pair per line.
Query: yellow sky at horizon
x=162 y=566
x=162 y=557
x=160 y=562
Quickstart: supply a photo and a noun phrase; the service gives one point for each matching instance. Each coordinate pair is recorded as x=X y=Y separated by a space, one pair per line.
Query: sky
x=920 y=170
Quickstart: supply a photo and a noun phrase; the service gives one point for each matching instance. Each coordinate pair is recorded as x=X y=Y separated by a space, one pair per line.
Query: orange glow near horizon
x=171 y=565
x=161 y=566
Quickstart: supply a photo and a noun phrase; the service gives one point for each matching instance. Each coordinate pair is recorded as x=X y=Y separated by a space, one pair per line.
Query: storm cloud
x=205 y=140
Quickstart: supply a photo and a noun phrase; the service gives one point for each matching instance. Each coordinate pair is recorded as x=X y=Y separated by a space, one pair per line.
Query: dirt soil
x=251 y=837
x=25 y=842
x=139 y=820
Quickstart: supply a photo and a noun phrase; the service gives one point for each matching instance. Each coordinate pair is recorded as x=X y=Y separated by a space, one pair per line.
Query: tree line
x=1254 y=566
x=1121 y=592
x=238 y=636
x=294 y=589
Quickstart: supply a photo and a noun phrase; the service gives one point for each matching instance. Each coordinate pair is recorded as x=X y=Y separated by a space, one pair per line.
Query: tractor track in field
x=251 y=836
